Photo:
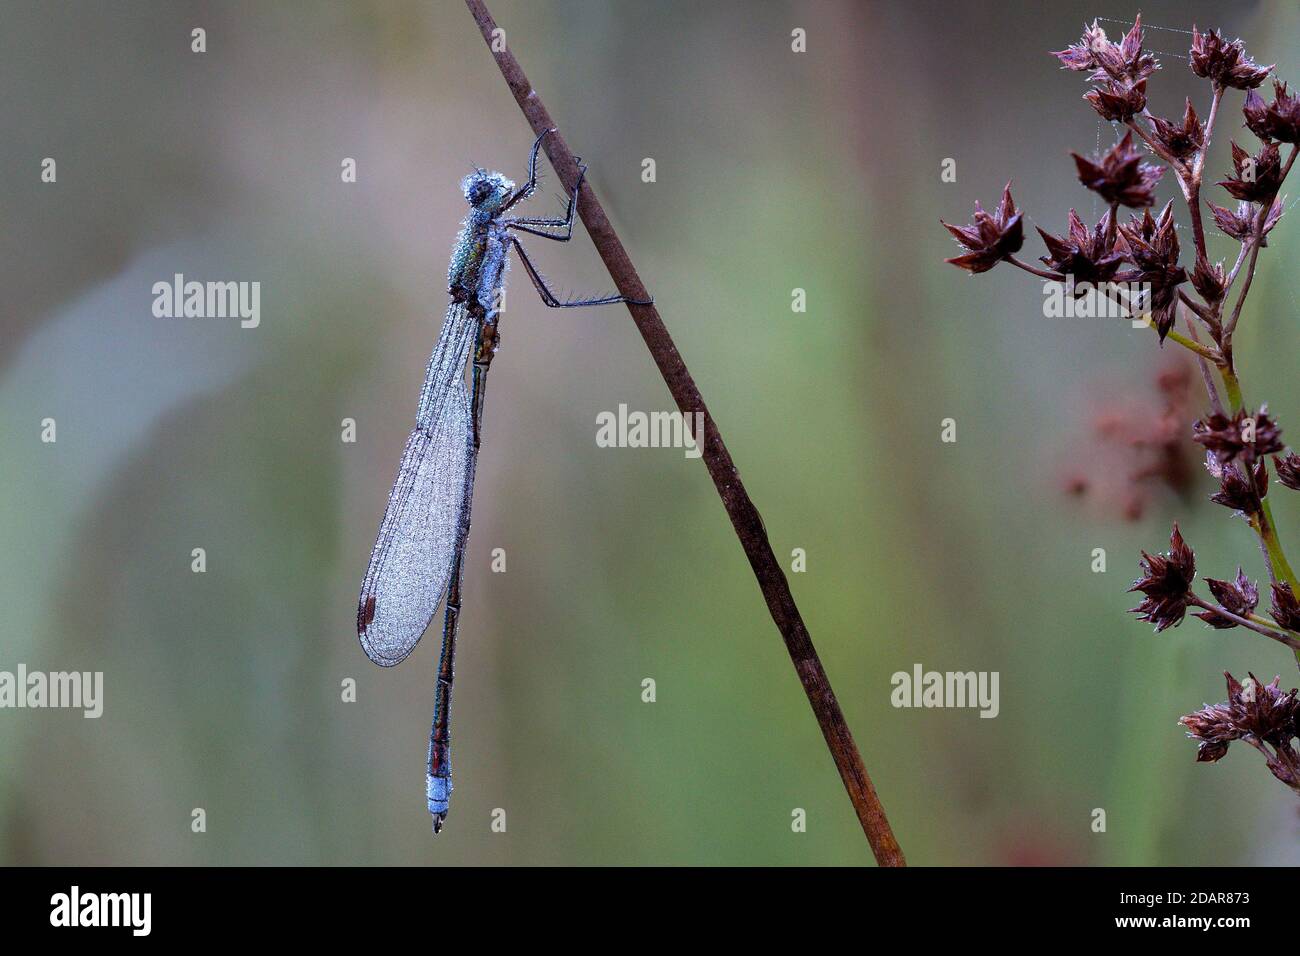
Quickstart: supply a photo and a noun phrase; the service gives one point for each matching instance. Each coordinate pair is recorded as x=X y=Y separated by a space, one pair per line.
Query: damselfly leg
x=526 y=224
x=550 y=299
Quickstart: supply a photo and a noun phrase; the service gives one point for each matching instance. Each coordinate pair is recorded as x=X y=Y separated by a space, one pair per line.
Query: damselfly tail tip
x=438 y=790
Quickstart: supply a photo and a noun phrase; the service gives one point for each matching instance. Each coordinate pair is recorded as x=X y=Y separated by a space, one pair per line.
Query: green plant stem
x=1263 y=522
x=1201 y=350
x=1259 y=619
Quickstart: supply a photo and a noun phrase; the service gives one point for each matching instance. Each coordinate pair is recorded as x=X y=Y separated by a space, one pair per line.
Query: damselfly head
x=485 y=190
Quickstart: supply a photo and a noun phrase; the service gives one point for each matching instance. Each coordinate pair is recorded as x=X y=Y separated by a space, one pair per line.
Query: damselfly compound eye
x=486 y=190
x=479 y=190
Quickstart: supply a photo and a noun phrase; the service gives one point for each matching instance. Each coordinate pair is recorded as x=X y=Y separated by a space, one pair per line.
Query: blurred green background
x=775 y=170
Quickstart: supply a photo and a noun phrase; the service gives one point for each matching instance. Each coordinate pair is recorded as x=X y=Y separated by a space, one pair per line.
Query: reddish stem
x=726 y=477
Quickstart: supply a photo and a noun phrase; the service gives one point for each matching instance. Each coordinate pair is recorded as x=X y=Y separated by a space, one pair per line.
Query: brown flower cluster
x=1254 y=178
x=989 y=239
x=1152 y=246
x=1226 y=64
x=1119 y=69
x=1288 y=470
x=1166 y=583
x=1086 y=256
x=1285 y=608
x=1237 y=492
x=1236 y=448
x=1239 y=596
x=1120 y=177
x=1246 y=436
x=1179 y=140
x=1279 y=120
x=1240 y=225
x=1146 y=250
x=1262 y=715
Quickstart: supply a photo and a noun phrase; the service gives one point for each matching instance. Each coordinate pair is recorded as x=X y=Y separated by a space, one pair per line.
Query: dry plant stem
x=1156 y=148
x=1193 y=186
x=744 y=516
x=1241 y=257
x=1252 y=622
x=1207 y=376
x=1199 y=310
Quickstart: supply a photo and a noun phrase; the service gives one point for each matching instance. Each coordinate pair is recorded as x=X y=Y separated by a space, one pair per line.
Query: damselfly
x=419 y=554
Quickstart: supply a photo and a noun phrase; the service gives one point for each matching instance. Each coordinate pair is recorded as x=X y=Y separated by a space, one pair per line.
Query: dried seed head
x=1152 y=246
x=1090 y=257
x=1235 y=491
x=1279 y=120
x=1262 y=712
x=1118 y=102
x=1120 y=176
x=1285 y=608
x=1209 y=752
x=1126 y=60
x=1240 y=225
x=989 y=239
x=1225 y=63
x=1288 y=470
x=1209 y=280
x=1240 y=596
x=1257 y=713
x=1245 y=435
x=1180 y=140
x=1166 y=583
x=1255 y=178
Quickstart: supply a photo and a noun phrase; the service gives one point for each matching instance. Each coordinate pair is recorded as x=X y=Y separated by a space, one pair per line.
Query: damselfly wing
x=411 y=563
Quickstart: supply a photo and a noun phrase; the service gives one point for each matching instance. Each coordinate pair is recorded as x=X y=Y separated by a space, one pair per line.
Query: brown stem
x=1178 y=168
x=1201 y=311
x=1282 y=637
x=1206 y=375
x=1198 y=229
x=1232 y=276
x=1034 y=270
x=726 y=477
x=1194 y=177
x=1209 y=130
